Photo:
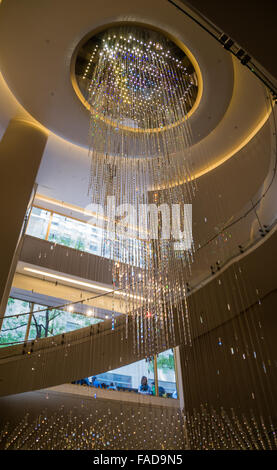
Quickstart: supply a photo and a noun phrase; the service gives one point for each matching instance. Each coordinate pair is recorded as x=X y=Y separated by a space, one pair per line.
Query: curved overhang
x=178 y=42
x=231 y=114
x=97 y=341
x=43 y=88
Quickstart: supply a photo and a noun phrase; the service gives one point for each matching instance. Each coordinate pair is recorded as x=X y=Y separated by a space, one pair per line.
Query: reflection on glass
x=48 y=322
x=81 y=236
x=54 y=322
x=38 y=223
x=129 y=377
x=166 y=374
x=14 y=329
x=139 y=377
x=75 y=234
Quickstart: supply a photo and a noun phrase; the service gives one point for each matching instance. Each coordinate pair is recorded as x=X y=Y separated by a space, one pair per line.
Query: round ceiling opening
x=146 y=82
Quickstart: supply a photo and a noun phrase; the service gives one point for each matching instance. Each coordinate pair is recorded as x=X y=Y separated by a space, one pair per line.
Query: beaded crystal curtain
x=140 y=90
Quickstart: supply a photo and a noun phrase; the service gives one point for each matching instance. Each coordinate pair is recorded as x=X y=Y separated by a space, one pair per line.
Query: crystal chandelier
x=140 y=88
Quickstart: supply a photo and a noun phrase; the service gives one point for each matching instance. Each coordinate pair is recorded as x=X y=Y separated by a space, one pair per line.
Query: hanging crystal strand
x=134 y=83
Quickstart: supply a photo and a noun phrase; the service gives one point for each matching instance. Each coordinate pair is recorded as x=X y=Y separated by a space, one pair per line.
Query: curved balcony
x=56 y=360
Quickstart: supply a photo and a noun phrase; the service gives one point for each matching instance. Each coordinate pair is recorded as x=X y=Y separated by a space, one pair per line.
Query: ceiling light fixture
x=139 y=98
x=77 y=282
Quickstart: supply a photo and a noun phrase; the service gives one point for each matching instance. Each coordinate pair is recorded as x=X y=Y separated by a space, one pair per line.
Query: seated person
x=162 y=392
x=112 y=386
x=83 y=382
x=144 y=387
x=94 y=382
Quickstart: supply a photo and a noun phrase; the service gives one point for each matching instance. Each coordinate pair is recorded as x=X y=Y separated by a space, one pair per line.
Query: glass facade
x=129 y=377
x=166 y=373
x=65 y=231
x=75 y=234
x=140 y=377
x=38 y=223
x=47 y=322
x=54 y=322
x=80 y=235
x=14 y=329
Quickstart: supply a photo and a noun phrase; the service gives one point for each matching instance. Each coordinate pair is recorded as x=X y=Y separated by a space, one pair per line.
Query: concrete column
x=21 y=150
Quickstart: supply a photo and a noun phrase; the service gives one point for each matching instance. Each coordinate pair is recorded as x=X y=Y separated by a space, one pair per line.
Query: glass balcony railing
x=14 y=328
x=25 y=321
x=83 y=236
x=65 y=231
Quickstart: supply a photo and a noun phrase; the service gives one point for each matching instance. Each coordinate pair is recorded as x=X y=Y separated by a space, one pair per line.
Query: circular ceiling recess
x=131 y=64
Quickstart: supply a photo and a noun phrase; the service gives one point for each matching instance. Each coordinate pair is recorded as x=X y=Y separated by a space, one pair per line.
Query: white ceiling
x=37 y=40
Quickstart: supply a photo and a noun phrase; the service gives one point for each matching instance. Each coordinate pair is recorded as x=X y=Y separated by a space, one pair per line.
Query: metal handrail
x=234 y=48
